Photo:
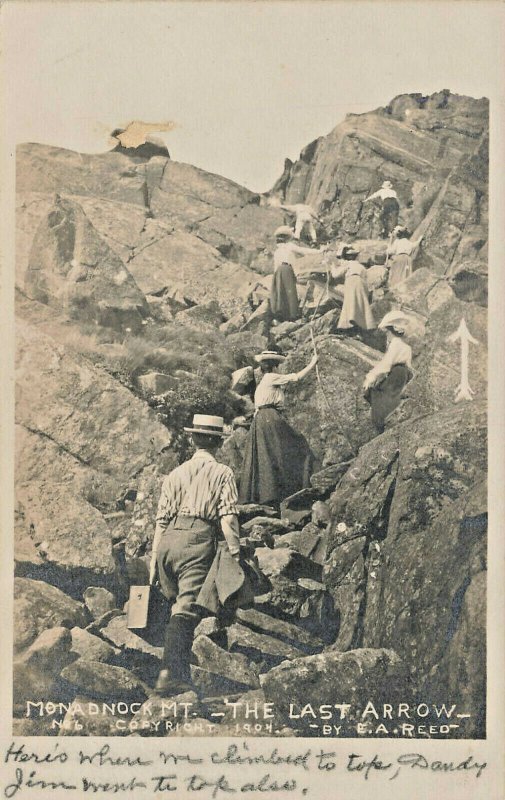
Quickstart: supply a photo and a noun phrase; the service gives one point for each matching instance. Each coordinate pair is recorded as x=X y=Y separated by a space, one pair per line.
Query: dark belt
x=270 y=405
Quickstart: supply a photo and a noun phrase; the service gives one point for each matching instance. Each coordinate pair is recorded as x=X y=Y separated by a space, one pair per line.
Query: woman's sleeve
x=282 y=380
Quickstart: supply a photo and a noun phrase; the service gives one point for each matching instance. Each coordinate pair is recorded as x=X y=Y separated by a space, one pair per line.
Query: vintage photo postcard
x=253 y=284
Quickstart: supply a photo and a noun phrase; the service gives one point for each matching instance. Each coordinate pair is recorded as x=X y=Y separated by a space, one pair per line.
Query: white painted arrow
x=464 y=390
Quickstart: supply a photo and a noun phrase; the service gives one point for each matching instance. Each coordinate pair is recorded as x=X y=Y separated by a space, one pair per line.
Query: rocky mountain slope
x=140 y=291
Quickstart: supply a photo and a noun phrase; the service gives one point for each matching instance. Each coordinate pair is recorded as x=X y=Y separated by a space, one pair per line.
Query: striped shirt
x=201 y=487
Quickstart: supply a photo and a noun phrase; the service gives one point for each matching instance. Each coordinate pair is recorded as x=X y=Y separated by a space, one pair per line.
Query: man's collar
x=201 y=453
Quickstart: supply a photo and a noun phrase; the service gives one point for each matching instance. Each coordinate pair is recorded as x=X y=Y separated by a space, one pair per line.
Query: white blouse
x=269 y=391
x=398 y=352
x=286 y=253
x=403 y=247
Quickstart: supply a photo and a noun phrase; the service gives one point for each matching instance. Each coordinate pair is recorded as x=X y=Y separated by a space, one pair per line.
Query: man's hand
x=153 y=571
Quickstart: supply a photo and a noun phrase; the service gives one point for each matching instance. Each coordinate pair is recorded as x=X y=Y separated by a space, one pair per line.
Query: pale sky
x=246 y=84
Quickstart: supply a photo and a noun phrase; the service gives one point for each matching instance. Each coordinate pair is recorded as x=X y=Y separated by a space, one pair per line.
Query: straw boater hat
x=270 y=355
x=395 y=320
x=284 y=230
x=204 y=423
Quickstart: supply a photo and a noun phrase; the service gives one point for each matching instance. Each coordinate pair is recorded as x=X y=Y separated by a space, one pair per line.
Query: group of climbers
x=199 y=500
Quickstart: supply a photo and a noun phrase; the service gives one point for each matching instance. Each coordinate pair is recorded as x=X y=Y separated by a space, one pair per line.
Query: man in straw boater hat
x=277 y=460
x=198 y=503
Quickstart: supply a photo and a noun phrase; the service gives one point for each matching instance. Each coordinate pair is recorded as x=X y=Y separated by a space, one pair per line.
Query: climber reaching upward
x=278 y=461
x=390 y=207
x=305 y=217
x=401 y=253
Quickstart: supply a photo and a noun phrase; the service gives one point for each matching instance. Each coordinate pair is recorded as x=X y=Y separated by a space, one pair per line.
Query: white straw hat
x=204 y=423
x=394 y=319
x=269 y=355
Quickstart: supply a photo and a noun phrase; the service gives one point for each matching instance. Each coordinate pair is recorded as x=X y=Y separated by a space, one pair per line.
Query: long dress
x=356 y=312
x=391 y=375
x=277 y=461
x=402 y=253
x=284 y=301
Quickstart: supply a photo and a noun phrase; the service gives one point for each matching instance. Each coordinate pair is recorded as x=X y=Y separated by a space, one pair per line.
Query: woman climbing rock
x=356 y=313
x=384 y=383
x=284 y=301
x=278 y=461
x=401 y=253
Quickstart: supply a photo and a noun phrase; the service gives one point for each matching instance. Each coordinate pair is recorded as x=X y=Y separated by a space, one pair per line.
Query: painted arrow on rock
x=464 y=390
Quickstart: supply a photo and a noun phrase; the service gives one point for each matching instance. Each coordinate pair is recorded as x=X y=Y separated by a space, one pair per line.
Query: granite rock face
x=143 y=294
x=434 y=151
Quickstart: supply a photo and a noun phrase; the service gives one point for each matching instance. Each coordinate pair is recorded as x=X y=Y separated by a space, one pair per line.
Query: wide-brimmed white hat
x=395 y=320
x=269 y=355
x=205 y=423
x=284 y=230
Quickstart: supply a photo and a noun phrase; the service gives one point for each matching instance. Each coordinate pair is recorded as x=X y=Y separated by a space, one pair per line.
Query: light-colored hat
x=284 y=230
x=395 y=320
x=387 y=185
x=269 y=355
x=204 y=423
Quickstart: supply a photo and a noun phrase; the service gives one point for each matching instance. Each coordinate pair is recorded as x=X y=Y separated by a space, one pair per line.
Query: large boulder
x=186 y=194
x=414 y=142
x=42 y=168
x=375 y=674
x=403 y=547
x=439 y=363
x=180 y=261
x=38 y=606
x=82 y=409
x=331 y=411
x=72 y=268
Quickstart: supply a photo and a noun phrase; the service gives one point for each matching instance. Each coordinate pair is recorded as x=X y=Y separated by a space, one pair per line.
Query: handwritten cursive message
x=242 y=768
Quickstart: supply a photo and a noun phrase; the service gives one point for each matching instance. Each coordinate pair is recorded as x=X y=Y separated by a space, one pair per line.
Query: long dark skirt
x=389 y=215
x=385 y=397
x=283 y=294
x=277 y=462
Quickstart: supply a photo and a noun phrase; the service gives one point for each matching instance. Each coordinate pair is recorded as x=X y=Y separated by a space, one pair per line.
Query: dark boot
x=175 y=677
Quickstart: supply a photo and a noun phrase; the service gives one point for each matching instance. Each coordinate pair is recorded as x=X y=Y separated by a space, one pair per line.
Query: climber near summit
x=305 y=217
x=284 y=301
x=401 y=254
x=390 y=207
x=277 y=461
x=198 y=505
x=384 y=383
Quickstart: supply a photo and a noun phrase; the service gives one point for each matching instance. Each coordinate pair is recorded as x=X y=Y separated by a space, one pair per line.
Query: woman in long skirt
x=384 y=383
x=284 y=301
x=401 y=254
x=278 y=461
x=356 y=311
